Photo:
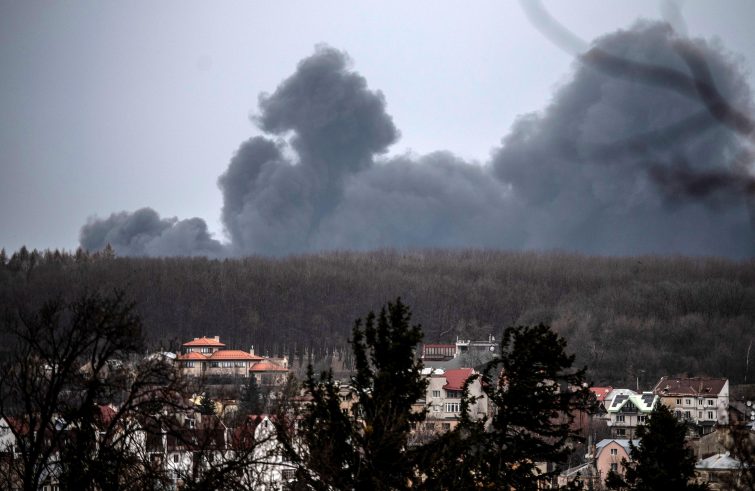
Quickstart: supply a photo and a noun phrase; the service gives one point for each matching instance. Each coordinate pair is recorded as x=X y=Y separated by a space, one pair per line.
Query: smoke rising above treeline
x=613 y=165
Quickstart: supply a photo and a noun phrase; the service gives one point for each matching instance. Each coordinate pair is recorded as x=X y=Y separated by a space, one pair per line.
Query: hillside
x=623 y=317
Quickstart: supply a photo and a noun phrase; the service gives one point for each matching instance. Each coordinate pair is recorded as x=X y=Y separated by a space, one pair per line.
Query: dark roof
x=693 y=386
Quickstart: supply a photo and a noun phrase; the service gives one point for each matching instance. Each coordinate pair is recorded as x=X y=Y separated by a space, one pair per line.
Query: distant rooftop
x=205 y=341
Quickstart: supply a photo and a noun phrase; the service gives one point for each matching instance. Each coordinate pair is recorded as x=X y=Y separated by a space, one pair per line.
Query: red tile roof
x=455 y=378
x=601 y=392
x=233 y=354
x=267 y=366
x=205 y=341
x=193 y=355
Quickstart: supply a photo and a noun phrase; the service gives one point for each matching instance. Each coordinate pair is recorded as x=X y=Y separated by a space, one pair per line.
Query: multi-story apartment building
x=701 y=400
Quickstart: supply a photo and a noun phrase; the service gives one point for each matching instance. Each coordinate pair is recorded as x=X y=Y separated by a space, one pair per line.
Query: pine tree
x=661 y=460
x=365 y=446
x=251 y=398
x=534 y=392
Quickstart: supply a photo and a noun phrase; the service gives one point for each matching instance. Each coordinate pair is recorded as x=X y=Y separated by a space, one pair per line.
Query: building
x=438 y=352
x=609 y=453
x=443 y=398
x=700 y=400
x=719 y=471
x=207 y=357
x=627 y=410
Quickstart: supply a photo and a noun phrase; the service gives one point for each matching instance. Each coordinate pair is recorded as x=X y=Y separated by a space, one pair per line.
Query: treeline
x=628 y=319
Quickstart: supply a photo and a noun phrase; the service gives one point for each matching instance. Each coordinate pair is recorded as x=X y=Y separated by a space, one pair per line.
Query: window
x=436 y=393
x=240 y=364
x=679 y=402
x=445 y=426
x=710 y=415
x=287 y=474
x=614 y=451
x=687 y=402
x=710 y=402
x=700 y=415
x=206 y=350
x=699 y=402
x=615 y=467
x=620 y=417
x=687 y=414
x=189 y=364
x=453 y=407
x=214 y=364
x=175 y=458
x=621 y=432
x=642 y=419
x=453 y=394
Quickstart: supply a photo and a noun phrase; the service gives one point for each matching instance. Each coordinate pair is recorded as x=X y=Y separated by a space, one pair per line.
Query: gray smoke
x=622 y=161
x=144 y=233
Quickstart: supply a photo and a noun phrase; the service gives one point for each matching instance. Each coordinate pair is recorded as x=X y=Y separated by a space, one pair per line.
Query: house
x=443 y=398
x=719 y=471
x=701 y=400
x=609 y=453
x=627 y=410
x=208 y=357
x=268 y=373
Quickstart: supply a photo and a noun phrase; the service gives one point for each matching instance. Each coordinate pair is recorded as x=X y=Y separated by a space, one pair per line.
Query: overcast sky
x=109 y=106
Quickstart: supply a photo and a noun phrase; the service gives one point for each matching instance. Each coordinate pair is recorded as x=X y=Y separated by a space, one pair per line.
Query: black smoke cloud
x=613 y=165
x=144 y=233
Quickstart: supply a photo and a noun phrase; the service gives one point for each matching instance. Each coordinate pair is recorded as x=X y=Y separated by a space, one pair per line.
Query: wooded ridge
x=629 y=319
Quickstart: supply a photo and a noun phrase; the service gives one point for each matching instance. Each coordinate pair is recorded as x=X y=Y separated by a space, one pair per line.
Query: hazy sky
x=109 y=106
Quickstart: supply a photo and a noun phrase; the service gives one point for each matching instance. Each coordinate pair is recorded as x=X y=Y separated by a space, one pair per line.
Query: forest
x=630 y=320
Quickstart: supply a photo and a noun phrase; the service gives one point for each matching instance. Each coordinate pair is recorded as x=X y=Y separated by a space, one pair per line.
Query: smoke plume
x=622 y=161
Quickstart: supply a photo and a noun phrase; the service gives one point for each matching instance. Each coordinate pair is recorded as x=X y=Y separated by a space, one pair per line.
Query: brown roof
x=233 y=354
x=694 y=386
x=193 y=355
x=205 y=341
x=267 y=366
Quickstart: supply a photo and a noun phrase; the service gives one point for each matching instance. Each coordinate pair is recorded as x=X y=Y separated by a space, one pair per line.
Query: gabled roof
x=233 y=354
x=267 y=366
x=204 y=341
x=623 y=442
x=693 y=386
x=455 y=378
x=644 y=402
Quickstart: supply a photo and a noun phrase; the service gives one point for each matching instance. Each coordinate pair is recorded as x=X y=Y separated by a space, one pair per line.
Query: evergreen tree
x=207 y=405
x=365 y=446
x=534 y=392
x=3 y=257
x=251 y=398
x=661 y=460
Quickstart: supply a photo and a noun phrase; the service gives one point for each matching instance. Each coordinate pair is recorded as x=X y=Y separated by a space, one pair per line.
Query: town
x=230 y=403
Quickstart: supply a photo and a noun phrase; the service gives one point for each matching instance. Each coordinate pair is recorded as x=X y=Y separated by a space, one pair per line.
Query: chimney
x=216 y=338
x=251 y=350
